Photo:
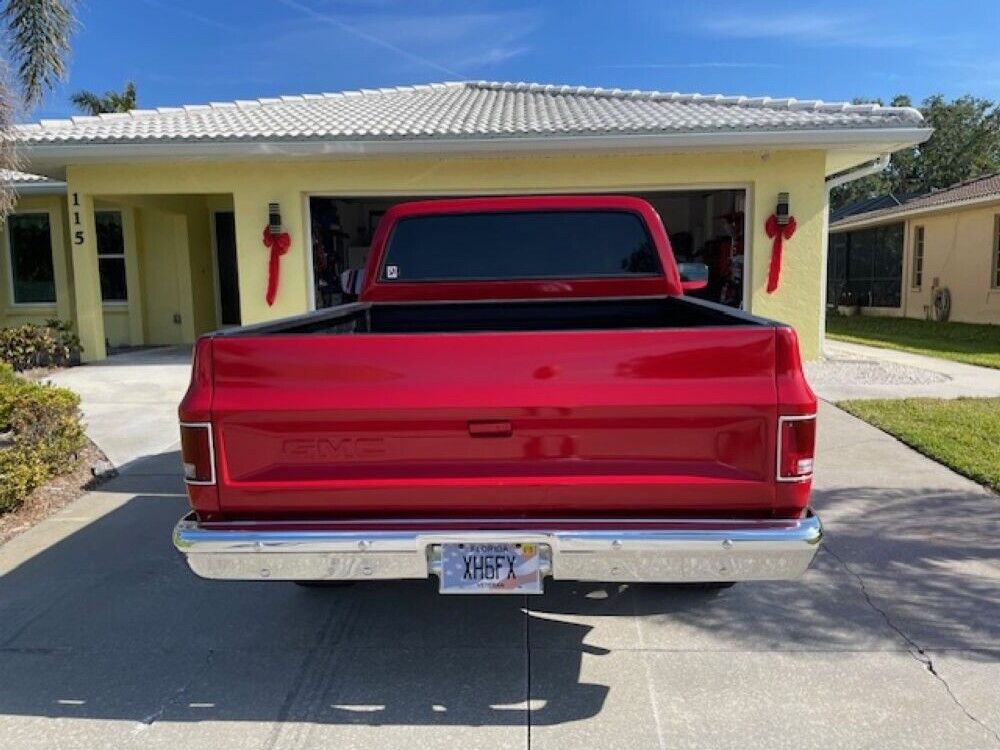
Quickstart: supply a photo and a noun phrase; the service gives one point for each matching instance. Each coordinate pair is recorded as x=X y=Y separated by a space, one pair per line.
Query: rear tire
x=710 y=585
x=323 y=584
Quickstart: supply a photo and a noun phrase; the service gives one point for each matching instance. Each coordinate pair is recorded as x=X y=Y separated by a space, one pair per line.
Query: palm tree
x=94 y=104
x=37 y=39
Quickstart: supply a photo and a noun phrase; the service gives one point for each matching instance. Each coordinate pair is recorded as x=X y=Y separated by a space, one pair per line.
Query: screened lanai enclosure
x=866 y=267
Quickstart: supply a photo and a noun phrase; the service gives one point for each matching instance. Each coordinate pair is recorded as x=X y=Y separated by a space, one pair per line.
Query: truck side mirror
x=694 y=276
x=352 y=280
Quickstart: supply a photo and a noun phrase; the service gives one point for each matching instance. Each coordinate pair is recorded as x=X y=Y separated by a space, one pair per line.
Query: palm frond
x=39 y=42
x=94 y=104
x=8 y=159
x=87 y=102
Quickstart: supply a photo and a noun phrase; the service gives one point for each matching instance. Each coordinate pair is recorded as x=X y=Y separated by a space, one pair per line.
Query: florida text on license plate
x=490 y=568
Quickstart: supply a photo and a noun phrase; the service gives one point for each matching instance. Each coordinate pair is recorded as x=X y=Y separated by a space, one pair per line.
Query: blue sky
x=189 y=51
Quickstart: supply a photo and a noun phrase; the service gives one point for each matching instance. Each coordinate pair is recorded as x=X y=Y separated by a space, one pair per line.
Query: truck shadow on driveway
x=108 y=623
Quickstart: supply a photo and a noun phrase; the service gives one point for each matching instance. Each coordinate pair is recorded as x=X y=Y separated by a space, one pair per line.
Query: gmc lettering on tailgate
x=344 y=449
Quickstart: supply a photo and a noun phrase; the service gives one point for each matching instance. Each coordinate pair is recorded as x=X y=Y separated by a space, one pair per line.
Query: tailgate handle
x=498 y=428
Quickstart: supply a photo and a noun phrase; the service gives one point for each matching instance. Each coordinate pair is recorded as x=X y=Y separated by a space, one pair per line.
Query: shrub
x=31 y=345
x=40 y=435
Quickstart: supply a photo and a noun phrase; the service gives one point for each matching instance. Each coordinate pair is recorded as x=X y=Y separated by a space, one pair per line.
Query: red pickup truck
x=521 y=392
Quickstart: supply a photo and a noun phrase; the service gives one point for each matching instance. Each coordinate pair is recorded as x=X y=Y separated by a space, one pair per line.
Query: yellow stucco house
x=920 y=256
x=147 y=227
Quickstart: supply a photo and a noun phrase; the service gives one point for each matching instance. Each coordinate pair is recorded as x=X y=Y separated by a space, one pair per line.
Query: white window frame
x=11 y=301
x=919 y=244
x=121 y=215
x=995 y=274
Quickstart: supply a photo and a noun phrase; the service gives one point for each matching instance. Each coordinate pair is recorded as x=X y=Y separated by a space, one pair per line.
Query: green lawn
x=963 y=342
x=963 y=434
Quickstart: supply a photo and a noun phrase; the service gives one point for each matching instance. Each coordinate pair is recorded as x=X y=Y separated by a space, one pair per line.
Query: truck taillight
x=197 y=453
x=796 y=447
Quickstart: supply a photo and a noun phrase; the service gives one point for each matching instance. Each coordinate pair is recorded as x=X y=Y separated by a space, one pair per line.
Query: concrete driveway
x=891 y=640
x=129 y=400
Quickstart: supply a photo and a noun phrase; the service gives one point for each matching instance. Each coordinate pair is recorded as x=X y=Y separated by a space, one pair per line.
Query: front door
x=225 y=255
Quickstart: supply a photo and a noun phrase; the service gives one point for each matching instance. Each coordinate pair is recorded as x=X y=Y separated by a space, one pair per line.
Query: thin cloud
x=191 y=15
x=447 y=27
x=492 y=56
x=691 y=66
x=473 y=39
x=367 y=37
x=816 y=28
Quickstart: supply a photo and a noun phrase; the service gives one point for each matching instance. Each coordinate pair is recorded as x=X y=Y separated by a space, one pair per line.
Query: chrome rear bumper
x=605 y=550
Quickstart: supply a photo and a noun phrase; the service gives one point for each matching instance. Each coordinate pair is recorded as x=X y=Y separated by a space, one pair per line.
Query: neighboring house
x=893 y=258
x=159 y=236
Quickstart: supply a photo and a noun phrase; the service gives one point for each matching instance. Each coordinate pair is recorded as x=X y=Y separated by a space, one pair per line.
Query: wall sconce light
x=781 y=212
x=274 y=218
x=278 y=243
x=780 y=226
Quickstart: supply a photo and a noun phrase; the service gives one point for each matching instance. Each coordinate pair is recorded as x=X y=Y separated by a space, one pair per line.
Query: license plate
x=491 y=568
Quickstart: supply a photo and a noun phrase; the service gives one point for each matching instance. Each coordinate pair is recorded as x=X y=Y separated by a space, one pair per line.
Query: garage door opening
x=705 y=226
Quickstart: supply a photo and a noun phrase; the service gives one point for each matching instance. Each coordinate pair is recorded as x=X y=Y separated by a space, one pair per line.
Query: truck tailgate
x=541 y=423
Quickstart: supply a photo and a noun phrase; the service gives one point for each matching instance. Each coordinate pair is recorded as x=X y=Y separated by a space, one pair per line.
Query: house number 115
x=78 y=233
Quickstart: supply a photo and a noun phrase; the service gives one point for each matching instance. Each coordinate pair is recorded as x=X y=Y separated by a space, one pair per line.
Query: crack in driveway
x=913 y=648
x=172 y=699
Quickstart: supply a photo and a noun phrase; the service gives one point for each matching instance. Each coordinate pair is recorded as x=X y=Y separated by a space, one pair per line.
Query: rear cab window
x=519 y=245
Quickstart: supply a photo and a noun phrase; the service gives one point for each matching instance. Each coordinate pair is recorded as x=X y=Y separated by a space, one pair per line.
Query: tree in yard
x=37 y=45
x=965 y=145
x=113 y=101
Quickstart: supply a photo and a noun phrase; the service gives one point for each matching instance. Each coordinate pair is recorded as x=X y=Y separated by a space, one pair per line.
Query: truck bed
x=628 y=313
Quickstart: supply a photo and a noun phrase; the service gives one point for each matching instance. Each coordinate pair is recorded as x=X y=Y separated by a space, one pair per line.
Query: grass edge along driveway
x=963 y=434
x=971 y=343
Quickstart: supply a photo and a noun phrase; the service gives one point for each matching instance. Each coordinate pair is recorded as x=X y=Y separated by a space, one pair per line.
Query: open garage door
x=704 y=226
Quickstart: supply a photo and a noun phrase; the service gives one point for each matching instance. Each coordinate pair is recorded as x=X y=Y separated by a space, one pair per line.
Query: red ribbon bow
x=779 y=233
x=278 y=244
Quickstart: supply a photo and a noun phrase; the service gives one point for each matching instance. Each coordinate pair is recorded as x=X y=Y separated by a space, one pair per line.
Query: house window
x=918 y=258
x=30 y=243
x=995 y=278
x=111 y=255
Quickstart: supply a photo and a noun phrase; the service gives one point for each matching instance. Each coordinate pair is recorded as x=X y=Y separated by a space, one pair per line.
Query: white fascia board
x=66 y=153
x=39 y=188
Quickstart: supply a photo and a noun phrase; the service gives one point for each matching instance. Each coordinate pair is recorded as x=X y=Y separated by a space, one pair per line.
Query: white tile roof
x=453 y=111
x=25 y=183
x=16 y=178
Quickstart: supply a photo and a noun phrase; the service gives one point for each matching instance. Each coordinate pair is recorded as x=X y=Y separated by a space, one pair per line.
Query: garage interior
x=705 y=226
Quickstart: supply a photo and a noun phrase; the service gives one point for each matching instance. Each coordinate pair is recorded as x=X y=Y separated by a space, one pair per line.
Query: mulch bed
x=39 y=373
x=54 y=495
